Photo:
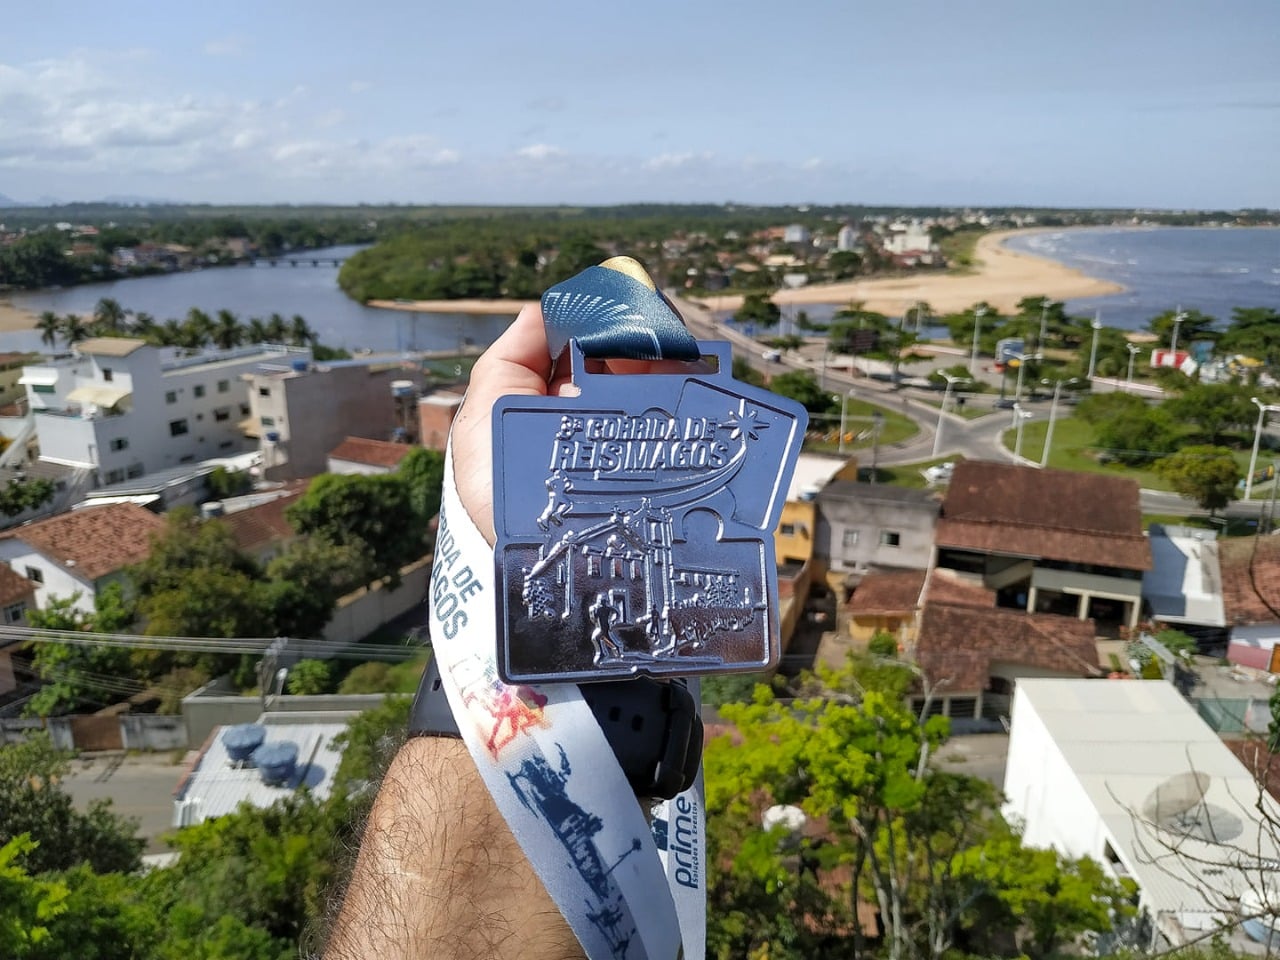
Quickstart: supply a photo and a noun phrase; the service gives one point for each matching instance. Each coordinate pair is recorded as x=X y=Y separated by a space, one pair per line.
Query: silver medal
x=635 y=525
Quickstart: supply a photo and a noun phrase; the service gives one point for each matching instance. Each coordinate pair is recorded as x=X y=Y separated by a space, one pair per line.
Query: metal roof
x=216 y=786
x=1184 y=584
x=1126 y=740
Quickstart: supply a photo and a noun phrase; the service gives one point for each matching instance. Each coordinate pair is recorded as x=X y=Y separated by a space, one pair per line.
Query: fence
x=1241 y=715
x=94 y=733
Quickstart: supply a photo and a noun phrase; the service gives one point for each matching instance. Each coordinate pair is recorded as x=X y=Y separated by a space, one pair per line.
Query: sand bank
x=15 y=318
x=507 y=308
x=1002 y=277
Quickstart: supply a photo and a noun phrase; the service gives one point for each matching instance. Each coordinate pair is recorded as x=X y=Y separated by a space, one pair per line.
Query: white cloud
x=360 y=86
x=674 y=161
x=540 y=151
x=813 y=163
x=230 y=46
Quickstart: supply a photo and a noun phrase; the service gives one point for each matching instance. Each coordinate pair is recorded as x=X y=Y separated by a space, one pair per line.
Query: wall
x=362 y=612
x=797 y=527
x=58 y=582
x=202 y=713
x=868 y=519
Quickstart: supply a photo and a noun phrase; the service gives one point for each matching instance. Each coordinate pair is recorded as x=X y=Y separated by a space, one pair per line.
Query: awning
x=99 y=395
x=35 y=377
x=250 y=428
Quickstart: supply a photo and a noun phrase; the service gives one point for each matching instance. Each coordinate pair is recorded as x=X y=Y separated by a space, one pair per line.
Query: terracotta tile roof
x=14 y=586
x=959 y=644
x=1051 y=514
x=946 y=586
x=376 y=453
x=1250 y=569
x=887 y=593
x=259 y=527
x=94 y=541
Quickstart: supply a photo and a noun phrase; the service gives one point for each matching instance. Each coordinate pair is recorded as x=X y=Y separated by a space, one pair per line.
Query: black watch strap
x=653 y=726
x=430 y=715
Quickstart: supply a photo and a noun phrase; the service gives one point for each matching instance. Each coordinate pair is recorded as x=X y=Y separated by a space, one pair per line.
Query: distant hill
x=9 y=202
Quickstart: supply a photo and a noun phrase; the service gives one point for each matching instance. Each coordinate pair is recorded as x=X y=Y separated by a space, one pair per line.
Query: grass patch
x=907 y=474
x=959 y=248
x=858 y=421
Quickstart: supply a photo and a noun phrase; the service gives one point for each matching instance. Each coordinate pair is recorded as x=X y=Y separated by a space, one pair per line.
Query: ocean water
x=1211 y=270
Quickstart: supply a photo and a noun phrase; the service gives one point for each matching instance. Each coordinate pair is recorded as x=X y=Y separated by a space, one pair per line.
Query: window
x=264 y=391
x=222 y=414
x=244 y=409
x=135 y=470
x=35 y=574
x=171 y=396
x=225 y=445
x=13 y=613
x=114 y=476
x=198 y=390
x=120 y=443
x=108 y=374
x=890 y=538
x=43 y=388
x=178 y=428
x=267 y=421
x=850 y=539
x=187 y=459
x=224 y=386
x=787 y=529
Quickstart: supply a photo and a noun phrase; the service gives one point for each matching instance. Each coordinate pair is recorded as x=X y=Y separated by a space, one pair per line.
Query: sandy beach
x=14 y=318
x=1002 y=277
x=507 y=308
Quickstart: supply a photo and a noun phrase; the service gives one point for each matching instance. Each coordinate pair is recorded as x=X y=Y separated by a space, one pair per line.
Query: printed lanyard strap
x=630 y=890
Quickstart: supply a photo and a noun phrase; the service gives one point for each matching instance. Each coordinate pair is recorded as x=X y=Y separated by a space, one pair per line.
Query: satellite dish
x=1176 y=796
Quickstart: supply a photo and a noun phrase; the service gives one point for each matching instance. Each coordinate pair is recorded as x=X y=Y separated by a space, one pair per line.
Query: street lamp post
x=844 y=411
x=937 y=434
x=877 y=421
x=1134 y=350
x=1044 y=309
x=1178 y=317
x=1263 y=410
x=978 y=314
x=1053 y=417
x=1093 y=352
x=1023 y=359
x=1020 y=417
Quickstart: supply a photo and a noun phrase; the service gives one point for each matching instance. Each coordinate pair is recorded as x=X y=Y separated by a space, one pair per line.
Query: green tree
x=1142 y=435
x=366 y=512
x=1214 y=407
x=310 y=677
x=300 y=332
x=22 y=494
x=1194 y=326
x=28 y=905
x=306 y=581
x=1253 y=332
x=422 y=471
x=32 y=803
x=758 y=308
x=801 y=387
x=72 y=674
x=1207 y=474
x=74 y=329
x=227 y=331
x=744 y=371
x=50 y=326
x=109 y=318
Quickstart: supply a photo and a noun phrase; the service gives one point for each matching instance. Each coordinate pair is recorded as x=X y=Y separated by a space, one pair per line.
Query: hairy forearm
x=439 y=874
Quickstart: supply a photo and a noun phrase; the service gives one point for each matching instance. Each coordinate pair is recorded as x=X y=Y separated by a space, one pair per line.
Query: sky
x=1124 y=103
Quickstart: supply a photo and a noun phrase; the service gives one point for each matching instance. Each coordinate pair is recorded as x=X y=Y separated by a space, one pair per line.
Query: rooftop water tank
x=241 y=740
x=276 y=762
x=211 y=508
x=402 y=388
x=300 y=365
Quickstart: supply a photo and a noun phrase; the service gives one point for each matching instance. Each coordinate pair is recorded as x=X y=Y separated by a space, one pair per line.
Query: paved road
x=139 y=786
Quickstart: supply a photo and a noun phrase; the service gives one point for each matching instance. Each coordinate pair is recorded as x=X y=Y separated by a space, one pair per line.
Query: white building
x=914 y=237
x=80 y=552
x=1127 y=773
x=847 y=238
x=125 y=408
x=796 y=233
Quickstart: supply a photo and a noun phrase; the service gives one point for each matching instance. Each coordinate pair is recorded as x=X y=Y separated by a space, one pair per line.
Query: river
x=258 y=291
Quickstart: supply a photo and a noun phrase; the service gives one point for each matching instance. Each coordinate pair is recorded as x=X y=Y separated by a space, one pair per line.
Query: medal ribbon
x=629 y=890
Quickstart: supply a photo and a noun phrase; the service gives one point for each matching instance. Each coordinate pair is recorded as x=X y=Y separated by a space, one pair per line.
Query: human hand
x=517 y=364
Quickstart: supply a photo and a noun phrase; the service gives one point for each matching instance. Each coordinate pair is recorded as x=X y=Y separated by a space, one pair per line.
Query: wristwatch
x=653 y=726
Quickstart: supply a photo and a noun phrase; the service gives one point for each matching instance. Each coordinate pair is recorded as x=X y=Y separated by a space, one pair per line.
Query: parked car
x=939 y=473
x=773 y=356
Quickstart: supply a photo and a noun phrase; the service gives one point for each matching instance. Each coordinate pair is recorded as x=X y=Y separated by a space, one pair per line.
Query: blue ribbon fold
x=611 y=314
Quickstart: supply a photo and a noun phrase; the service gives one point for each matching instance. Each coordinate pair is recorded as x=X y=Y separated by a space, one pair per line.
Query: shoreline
x=473 y=306
x=14 y=319
x=1001 y=278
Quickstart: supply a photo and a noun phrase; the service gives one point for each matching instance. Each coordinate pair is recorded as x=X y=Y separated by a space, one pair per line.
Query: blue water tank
x=241 y=740
x=300 y=365
x=276 y=762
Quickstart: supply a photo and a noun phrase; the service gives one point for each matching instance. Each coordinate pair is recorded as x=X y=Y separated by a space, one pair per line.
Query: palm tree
x=277 y=329
x=300 y=334
x=109 y=318
x=74 y=329
x=50 y=325
x=227 y=331
x=257 y=331
x=144 y=325
x=169 y=334
x=198 y=328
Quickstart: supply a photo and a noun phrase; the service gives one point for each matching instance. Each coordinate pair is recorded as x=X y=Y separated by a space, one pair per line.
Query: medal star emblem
x=743 y=422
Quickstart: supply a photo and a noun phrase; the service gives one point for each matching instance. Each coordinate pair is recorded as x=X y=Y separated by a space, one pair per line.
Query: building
x=303 y=756
x=11 y=366
x=1183 y=588
x=796 y=233
x=301 y=410
x=80 y=552
x=1125 y=772
x=17 y=597
x=891 y=602
x=361 y=455
x=1250 y=568
x=436 y=411
x=1047 y=541
x=846 y=239
x=865 y=527
x=262 y=529
x=125 y=408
